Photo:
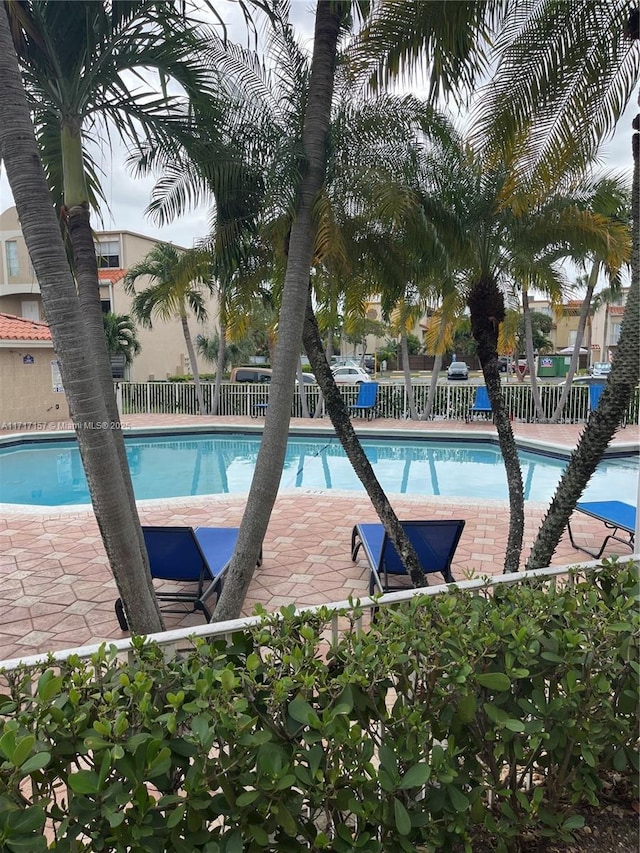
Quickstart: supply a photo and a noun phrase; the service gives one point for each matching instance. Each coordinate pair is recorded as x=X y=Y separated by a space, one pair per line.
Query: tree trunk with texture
x=575 y=357
x=302 y=392
x=406 y=369
x=70 y=338
x=270 y=461
x=531 y=362
x=222 y=346
x=605 y=420
x=86 y=270
x=428 y=409
x=184 y=322
x=341 y=421
x=486 y=304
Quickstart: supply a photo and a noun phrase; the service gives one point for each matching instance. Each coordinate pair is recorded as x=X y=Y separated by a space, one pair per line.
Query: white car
x=347 y=374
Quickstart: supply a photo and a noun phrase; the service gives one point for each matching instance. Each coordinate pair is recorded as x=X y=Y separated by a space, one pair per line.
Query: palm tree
x=178 y=279
x=100 y=458
x=511 y=232
x=121 y=335
x=547 y=108
x=439 y=337
x=330 y=250
x=270 y=460
x=607 y=199
x=78 y=61
x=565 y=77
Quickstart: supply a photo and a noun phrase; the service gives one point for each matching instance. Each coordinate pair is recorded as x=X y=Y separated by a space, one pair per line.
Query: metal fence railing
x=452 y=402
x=176 y=639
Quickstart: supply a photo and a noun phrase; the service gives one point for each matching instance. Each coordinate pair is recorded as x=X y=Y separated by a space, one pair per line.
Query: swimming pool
x=49 y=473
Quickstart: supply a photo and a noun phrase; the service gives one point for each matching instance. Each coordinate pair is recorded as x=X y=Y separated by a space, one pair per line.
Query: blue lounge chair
x=595 y=392
x=481 y=405
x=616 y=516
x=435 y=543
x=366 y=402
x=197 y=555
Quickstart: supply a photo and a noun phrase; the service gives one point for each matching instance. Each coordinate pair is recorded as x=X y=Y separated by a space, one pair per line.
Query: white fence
x=173 y=641
x=452 y=402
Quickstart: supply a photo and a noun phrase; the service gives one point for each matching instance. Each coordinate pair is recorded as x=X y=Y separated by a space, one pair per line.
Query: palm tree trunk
x=582 y=322
x=341 y=421
x=86 y=270
x=222 y=347
x=605 y=420
x=437 y=365
x=184 y=322
x=486 y=304
x=270 y=461
x=302 y=393
x=20 y=154
x=531 y=362
x=408 y=388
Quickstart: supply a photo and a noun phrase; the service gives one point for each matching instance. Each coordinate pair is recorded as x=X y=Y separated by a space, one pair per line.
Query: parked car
x=458 y=370
x=600 y=368
x=251 y=374
x=503 y=363
x=347 y=374
x=523 y=367
x=589 y=380
x=262 y=375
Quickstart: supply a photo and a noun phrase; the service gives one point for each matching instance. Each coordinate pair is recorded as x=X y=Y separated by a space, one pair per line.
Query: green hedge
x=451 y=716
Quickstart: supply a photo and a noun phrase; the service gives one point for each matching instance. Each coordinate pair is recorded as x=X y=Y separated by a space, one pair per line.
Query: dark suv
x=503 y=363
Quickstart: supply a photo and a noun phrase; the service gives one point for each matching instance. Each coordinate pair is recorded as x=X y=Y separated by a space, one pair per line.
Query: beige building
x=164 y=351
x=30 y=385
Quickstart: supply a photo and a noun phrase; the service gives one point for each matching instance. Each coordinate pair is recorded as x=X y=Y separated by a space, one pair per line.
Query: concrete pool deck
x=57 y=590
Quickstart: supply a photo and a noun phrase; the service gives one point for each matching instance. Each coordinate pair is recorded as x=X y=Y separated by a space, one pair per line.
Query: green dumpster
x=553 y=365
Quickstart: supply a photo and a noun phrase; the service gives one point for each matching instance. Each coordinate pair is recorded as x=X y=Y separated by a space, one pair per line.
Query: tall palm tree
x=179 y=282
x=331 y=253
x=565 y=77
x=510 y=233
x=607 y=199
x=87 y=68
x=101 y=461
x=264 y=485
x=122 y=337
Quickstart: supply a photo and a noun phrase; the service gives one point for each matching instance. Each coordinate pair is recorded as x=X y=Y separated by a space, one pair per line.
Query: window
x=105 y=304
x=30 y=309
x=13 y=267
x=108 y=254
x=614 y=334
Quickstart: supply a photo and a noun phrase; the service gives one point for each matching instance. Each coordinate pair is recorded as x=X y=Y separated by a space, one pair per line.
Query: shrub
x=504 y=712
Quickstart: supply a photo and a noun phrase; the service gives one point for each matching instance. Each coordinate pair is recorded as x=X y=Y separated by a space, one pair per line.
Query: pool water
x=49 y=473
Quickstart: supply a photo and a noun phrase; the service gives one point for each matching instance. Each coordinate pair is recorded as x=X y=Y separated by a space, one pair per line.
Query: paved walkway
x=56 y=589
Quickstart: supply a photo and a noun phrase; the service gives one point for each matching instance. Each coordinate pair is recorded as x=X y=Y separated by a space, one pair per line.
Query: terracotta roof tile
x=14 y=328
x=616 y=310
x=111 y=275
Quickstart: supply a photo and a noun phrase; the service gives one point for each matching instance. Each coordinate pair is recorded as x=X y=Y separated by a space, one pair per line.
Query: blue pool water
x=49 y=473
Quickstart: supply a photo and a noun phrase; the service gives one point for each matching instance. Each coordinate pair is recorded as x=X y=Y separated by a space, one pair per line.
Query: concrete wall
x=26 y=392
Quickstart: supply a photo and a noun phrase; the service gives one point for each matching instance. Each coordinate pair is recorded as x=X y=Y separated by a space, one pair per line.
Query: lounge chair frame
x=426 y=536
x=616 y=516
x=200 y=545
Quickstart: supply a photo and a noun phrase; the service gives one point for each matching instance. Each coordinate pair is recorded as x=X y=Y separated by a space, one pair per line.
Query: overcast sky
x=128 y=197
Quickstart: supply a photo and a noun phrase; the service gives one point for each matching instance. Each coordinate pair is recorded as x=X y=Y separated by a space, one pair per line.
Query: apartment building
x=163 y=347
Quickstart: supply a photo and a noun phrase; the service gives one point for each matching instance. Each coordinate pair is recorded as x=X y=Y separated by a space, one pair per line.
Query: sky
x=128 y=197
